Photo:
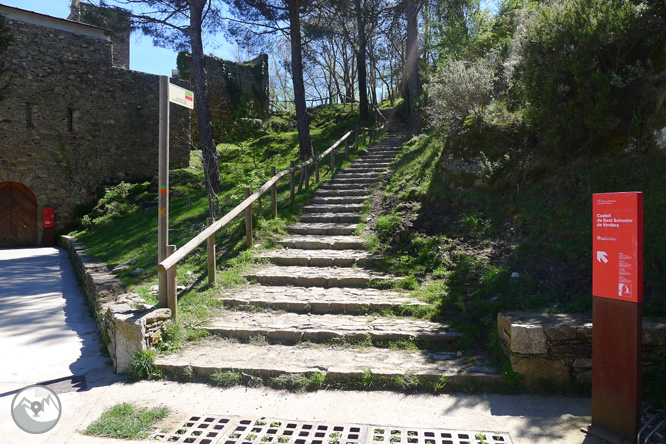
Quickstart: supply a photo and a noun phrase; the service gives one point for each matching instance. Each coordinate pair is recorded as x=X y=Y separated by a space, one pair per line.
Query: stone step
x=354 y=175
x=320 y=258
x=330 y=217
x=323 y=192
x=347 y=186
x=326 y=277
x=333 y=208
x=327 y=200
x=345 y=179
x=295 y=327
x=322 y=228
x=315 y=242
x=341 y=366
x=318 y=300
x=367 y=168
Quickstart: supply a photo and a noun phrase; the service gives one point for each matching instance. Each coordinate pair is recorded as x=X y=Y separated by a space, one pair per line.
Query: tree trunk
x=202 y=101
x=360 y=62
x=412 y=61
x=302 y=121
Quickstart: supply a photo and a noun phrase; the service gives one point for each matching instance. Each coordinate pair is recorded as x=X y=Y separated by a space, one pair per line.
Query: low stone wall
x=126 y=323
x=558 y=347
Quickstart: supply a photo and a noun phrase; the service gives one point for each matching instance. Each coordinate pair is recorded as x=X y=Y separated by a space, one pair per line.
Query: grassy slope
x=464 y=247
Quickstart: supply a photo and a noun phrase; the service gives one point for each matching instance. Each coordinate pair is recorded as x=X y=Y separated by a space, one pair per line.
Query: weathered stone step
x=318 y=276
x=324 y=192
x=320 y=258
x=339 y=365
x=330 y=217
x=353 y=180
x=318 y=228
x=318 y=300
x=314 y=242
x=327 y=200
x=294 y=327
x=354 y=175
x=347 y=186
x=333 y=208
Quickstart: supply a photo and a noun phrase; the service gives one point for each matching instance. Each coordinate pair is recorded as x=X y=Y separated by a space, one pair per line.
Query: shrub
x=584 y=70
x=459 y=89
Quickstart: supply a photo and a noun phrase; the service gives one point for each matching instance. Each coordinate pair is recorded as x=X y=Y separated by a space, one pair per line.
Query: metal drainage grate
x=236 y=430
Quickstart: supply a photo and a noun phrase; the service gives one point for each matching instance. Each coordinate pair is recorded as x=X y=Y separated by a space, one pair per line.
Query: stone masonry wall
x=126 y=322
x=73 y=122
x=558 y=347
x=229 y=84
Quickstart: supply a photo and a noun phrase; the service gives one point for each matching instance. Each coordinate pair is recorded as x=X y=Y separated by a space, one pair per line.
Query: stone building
x=74 y=118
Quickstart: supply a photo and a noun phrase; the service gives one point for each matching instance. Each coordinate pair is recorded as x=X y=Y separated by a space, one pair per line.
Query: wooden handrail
x=193 y=243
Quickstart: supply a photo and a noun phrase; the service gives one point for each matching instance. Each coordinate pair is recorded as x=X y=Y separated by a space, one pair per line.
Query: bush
x=459 y=89
x=584 y=70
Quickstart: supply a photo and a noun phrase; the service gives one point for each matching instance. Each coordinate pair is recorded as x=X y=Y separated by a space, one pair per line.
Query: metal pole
x=211 y=254
x=172 y=299
x=274 y=194
x=163 y=184
x=248 y=220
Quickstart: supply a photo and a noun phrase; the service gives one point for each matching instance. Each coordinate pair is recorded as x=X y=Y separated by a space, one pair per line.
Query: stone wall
x=72 y=121
x=229 y=85
x=558 y=347
x=127 y=324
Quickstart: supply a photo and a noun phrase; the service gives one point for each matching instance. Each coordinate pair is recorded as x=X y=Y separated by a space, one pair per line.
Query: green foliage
x=143 y=365
x=584 y=69
x=459 y=89
x=126 y=421
x=226 y=378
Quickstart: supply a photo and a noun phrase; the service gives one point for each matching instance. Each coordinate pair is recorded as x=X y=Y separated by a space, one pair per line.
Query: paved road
x=47 y=333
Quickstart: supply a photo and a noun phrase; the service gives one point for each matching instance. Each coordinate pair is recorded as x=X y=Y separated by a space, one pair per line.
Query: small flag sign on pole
x=181 y=96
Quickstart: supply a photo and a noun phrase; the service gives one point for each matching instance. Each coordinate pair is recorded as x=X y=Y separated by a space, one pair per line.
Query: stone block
x=582 y=363
x=534 y=370
x=528 y=339
x=560 y=333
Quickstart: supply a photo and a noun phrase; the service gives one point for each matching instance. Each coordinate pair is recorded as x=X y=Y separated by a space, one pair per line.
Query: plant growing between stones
x=143 y=365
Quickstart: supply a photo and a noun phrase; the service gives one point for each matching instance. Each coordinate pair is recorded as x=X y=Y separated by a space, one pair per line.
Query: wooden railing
x=167 y=286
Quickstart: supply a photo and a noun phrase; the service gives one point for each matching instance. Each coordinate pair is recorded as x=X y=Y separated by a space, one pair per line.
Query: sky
x=143 y=55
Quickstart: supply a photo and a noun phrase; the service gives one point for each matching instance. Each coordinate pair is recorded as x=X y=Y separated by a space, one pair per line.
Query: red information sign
x=48 y=217
x=617 y=246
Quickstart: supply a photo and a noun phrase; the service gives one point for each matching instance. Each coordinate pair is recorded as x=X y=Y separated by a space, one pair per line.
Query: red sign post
x=617 y=287
x=48 y=223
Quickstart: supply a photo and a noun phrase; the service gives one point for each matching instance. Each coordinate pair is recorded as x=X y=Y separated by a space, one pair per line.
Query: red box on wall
x=617 y=246
x=48 y=217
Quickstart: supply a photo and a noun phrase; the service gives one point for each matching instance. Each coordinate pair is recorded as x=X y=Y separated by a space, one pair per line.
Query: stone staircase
x=316 y=306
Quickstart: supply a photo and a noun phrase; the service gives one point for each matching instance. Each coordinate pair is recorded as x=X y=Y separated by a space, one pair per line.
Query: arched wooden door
x=18 y=215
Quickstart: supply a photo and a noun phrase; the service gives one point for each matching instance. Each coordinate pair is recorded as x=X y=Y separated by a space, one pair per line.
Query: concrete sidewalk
x=47 y=332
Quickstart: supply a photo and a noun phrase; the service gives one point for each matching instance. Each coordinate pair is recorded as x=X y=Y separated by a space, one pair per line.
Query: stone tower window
x=29 y=115
x=70 y=120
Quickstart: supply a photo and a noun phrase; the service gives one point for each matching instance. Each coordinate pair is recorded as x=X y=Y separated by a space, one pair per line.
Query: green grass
x=126 y=421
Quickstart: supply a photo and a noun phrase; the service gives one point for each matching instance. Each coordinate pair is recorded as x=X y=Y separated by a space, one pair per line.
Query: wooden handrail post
x=332 y=161
x=307 y=176
x=346 y=149
x=210 y=248
x=274 y=194
x=172 y=293
x=248 y=220
x=365 y=140
x=292 y=182
x=316 y=167
x=356 y=134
